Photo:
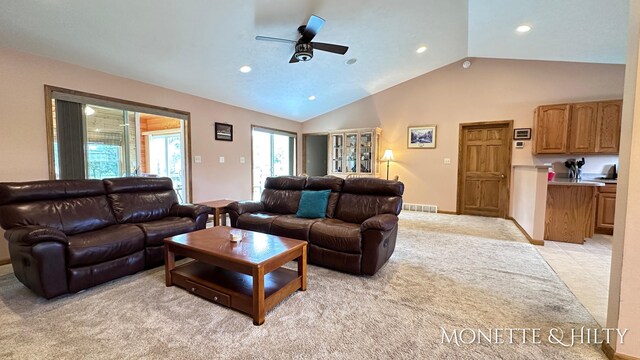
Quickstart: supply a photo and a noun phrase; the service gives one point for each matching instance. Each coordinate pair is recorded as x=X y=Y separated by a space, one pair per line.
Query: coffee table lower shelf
x=233 y=289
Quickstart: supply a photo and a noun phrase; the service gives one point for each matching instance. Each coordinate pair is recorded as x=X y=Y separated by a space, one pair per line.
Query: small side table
x=218 y=210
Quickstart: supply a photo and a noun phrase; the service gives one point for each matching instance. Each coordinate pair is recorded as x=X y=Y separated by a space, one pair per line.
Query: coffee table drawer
x=205 y=292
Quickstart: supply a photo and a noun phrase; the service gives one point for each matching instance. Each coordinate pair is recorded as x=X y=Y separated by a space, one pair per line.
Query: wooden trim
x=448 y=212
x=48 y=98
x=612 y=355
x=508 y=171
x=525 y=233
x=5 y=261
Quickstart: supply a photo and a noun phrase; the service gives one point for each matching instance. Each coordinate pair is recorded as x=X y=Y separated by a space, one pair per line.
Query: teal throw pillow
x=313 y=204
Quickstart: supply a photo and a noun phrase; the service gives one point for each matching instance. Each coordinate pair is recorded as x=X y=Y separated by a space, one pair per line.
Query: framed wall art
x=224 y=132
x=421 y=137
x=522 y=134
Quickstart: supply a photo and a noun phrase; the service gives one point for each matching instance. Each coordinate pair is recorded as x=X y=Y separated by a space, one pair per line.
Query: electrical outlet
x=197 y=159
x=242 y=160
x=221 y=159
x=446 y=161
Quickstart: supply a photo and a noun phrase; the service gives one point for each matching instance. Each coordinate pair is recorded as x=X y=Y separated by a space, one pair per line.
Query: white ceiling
x=197 y=47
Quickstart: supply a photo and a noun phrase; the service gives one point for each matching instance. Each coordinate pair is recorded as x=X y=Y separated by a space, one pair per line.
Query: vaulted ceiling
x=198 y=47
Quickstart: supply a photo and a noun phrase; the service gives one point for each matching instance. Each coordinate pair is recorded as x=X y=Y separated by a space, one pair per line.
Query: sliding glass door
x=273 y=154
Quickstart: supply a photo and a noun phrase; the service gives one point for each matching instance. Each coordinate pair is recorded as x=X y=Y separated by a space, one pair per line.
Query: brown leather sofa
x=359 y=233
x=69 y=235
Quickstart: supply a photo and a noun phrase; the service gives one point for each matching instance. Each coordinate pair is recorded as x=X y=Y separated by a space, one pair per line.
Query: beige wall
x=624 y=289
x=23 y=149
x=490 y=90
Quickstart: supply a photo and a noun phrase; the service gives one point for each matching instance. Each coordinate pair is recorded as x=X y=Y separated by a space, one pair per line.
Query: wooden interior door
x=484 y=168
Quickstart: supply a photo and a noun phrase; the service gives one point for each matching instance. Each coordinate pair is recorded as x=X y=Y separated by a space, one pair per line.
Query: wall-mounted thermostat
x=519 y=144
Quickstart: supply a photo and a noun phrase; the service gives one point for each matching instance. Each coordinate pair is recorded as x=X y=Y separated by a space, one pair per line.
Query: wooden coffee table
x=247 y=276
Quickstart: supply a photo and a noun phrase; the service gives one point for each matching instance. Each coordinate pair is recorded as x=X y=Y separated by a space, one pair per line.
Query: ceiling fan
x=304 y=46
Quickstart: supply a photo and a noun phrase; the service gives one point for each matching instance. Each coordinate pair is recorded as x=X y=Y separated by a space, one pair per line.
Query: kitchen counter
x=572 y=182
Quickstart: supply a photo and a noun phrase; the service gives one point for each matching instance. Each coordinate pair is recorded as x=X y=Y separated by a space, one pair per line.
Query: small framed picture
x=421 y=137
x=224 y=132
x=522 y=134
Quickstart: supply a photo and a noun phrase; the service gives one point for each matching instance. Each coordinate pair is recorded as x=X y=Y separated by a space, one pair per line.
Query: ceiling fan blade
x=332 y=48
x=313 y=26
x=268 y=38
x=293 y=59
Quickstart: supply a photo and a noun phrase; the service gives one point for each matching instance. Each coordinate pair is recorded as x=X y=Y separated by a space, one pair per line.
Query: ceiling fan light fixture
x=304 y=52
x=245 y=69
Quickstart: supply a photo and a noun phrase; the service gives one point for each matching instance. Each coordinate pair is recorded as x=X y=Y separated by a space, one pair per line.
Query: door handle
x=502 y=176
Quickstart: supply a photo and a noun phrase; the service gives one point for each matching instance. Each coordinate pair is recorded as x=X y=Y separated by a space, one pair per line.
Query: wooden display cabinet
x=355 y=151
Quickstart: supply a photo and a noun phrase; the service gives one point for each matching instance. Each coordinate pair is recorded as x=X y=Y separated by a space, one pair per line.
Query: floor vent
x=420 y=207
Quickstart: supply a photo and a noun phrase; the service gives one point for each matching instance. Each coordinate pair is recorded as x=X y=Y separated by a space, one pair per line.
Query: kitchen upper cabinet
x=578 y=128
x=551 y=129
x=608 y=127
x=582 y=128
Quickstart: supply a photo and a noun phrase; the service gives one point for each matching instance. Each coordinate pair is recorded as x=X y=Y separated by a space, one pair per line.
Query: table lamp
x=387 y=156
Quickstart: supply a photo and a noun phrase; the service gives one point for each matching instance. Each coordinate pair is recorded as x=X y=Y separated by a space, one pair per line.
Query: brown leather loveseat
x=358 y=234
x=69 y=235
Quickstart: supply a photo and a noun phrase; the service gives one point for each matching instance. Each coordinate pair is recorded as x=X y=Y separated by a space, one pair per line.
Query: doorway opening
x=273 y=153
x=315 y=153
x=484 y=168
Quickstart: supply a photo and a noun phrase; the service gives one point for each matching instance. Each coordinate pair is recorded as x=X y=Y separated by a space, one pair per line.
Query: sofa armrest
x=34 y=234
x=241 y=207
x=383 y=222
x=189 y=210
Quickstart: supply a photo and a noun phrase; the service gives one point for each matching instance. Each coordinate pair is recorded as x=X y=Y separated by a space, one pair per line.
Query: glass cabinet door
x=351 y=153
x=337 y=150
x=366 y=140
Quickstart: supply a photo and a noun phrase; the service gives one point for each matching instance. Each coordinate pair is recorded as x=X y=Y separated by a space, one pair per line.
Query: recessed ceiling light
x=312 y=97
x=523 y=28
x=351 y=61
x=245 y=69
x=421 y=49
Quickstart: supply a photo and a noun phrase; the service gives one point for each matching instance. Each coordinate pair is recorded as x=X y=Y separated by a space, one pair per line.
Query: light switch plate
x=242 y=160
x=197 y=159
x=446 y=161
x=221 y=159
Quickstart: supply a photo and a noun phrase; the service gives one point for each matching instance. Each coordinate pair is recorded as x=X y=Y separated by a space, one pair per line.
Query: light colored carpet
x=448 y=271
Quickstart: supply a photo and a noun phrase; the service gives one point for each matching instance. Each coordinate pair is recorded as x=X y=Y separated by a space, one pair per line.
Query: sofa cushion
x=292 y=227
x=313 y=204
x=281 y=194
x=156 y=231
x=102 y=245
x=336 y=235
x=71 y=216
x=327 y=182
x=142 y=206
x=260 y=221
x=363 y=198
x=136 y=200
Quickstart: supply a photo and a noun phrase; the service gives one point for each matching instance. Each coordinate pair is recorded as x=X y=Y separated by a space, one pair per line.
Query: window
x=273 y=154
